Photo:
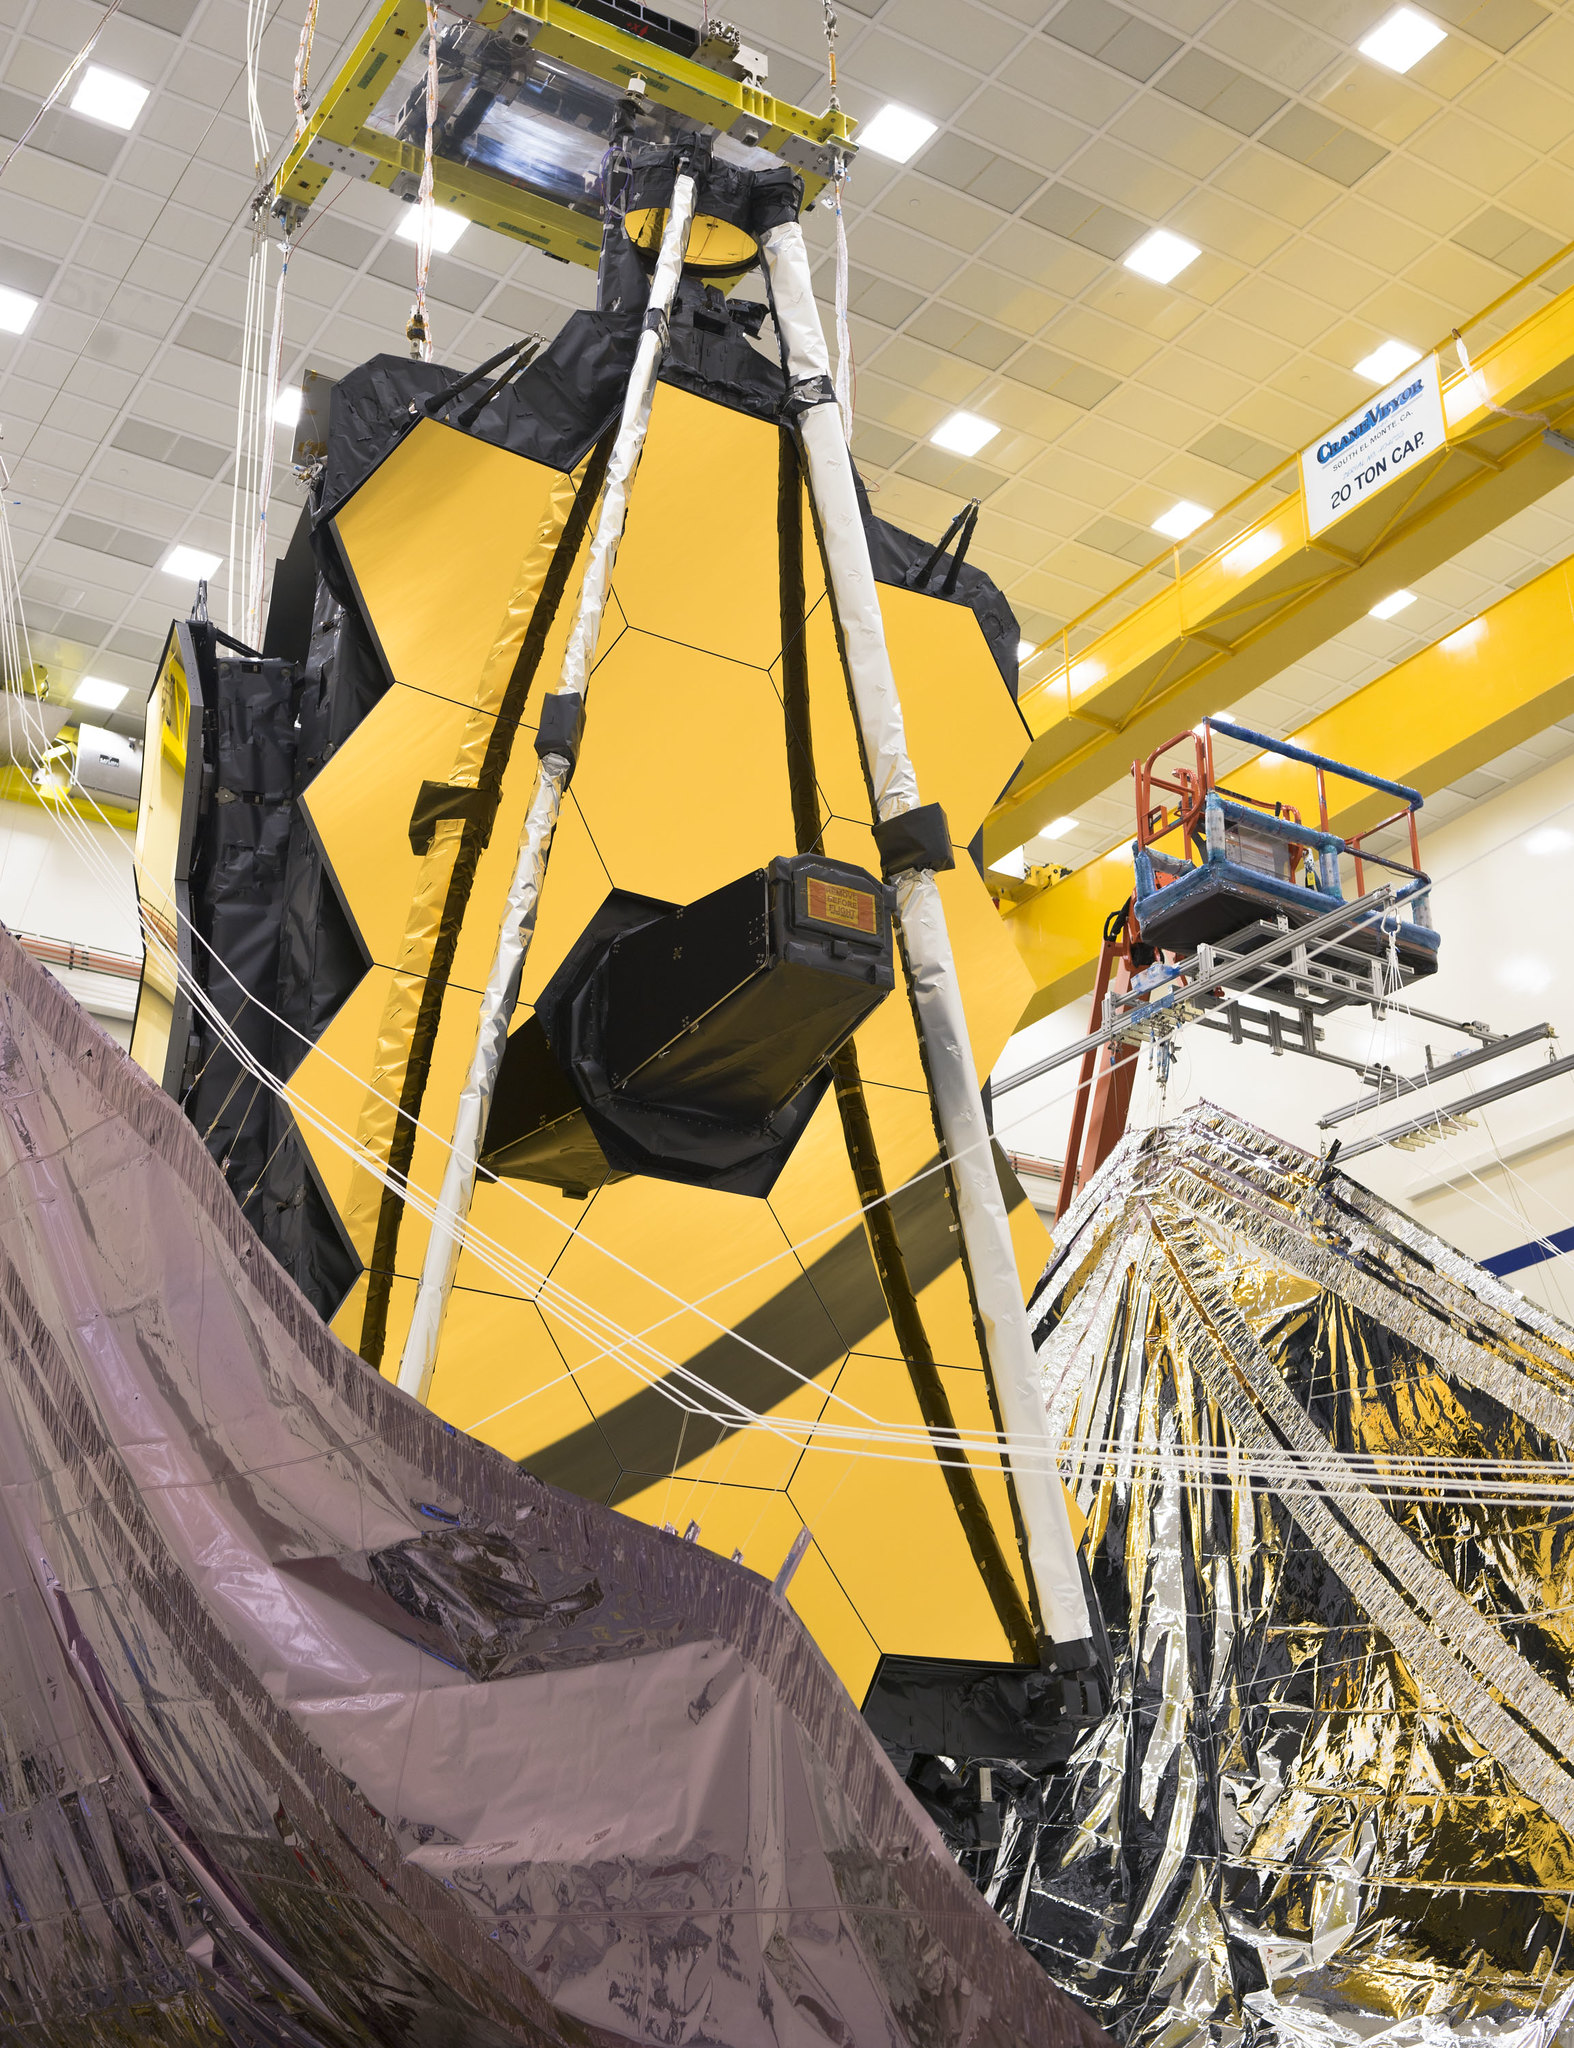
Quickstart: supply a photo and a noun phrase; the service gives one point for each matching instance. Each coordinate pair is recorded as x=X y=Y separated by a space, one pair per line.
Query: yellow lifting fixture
x=527 y=97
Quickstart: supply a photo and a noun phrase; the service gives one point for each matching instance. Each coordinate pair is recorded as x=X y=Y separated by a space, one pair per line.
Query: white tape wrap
x=475 y=1098
x=419 y=1357
x=986 y=1235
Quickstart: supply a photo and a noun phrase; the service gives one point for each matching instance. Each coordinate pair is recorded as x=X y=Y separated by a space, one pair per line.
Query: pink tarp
x=320 y=1723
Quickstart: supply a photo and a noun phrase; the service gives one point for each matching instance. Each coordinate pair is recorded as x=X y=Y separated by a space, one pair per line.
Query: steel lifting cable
x=845 y=377
x=60 y=85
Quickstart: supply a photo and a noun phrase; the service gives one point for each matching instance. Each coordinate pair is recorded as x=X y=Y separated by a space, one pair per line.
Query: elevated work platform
x=1459 y=703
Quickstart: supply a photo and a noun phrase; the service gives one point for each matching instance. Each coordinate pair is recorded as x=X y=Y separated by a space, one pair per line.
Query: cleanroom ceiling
x=1335 y=205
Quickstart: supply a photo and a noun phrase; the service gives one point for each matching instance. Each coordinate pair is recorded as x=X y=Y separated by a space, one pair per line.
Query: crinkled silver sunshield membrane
x=1334 y=1798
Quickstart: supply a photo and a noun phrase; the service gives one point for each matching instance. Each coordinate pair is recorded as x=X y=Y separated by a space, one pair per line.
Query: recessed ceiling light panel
x=16 y=309
x=1162 y=256
x=109 y=97
x=93 y=693
x=287 y=406
x=447 y=227
x=191 y=565
x=1401 y=39
x=1057 y=828
x=1386 y=361
x=1395 y=602
x=896 y=133
x=964 y=433
x=1182 y=518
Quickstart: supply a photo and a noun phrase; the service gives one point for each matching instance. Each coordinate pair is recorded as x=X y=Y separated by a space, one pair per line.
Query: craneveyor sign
x=1386 y=439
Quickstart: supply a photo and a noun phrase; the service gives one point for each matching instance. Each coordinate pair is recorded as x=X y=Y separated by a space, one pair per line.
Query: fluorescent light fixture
x=1547 y=840
x=1025 y=651
x=1396 y=601
x=95 y=694
x=16 y=309
x=191 y=565
x=1162 y=256
x=1401 y=39
x=1182 y=518
x=1013 y=864
x=964 y=433
x=1250 y=553
x=1385 y=362
x=447 y=227
x=896 y=133
x=108 y=97
x=287 y=406
x=1057 y=828
x=1465 y=636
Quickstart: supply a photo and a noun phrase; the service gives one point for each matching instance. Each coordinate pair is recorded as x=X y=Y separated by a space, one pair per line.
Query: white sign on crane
x=1401 y=426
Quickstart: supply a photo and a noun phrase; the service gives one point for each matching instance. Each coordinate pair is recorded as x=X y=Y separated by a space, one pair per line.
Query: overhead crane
x=1159 y=654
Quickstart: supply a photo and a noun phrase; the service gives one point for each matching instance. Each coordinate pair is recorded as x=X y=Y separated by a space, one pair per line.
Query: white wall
x=73 y=881
x=1504 y=876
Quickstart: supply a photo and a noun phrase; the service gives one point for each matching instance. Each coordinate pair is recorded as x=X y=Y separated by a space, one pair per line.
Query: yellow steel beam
x=18 y=787
x=1267 y=594
x=1459 y=703
x=337 y=137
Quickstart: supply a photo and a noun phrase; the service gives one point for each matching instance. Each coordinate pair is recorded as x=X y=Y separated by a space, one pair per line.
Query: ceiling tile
x=910 y=258
x=1483 y=157
x=1129 y=179
x=1175 y=135
x=1217 y=89
x=1281 y=49
x=1125 y=296
x=1417 y=193
x=895 y=69
x=971 y=35
x=1366 y=96
x=1323 y=145
x=1105 y=230
x=1121 y=39
x=1060 y=78
x=1500 y=23
x=1008 y=121
x=1276 y=184
x=995 y=293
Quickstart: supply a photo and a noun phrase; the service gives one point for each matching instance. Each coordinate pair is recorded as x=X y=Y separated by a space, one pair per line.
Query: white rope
x=845 y=381
x=303 y=61
x=420 y=328
x=268 y=388
x=1517 y=1483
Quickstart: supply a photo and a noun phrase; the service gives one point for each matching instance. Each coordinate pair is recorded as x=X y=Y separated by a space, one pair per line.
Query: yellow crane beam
x=1484 y=688
x=1175 y=643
